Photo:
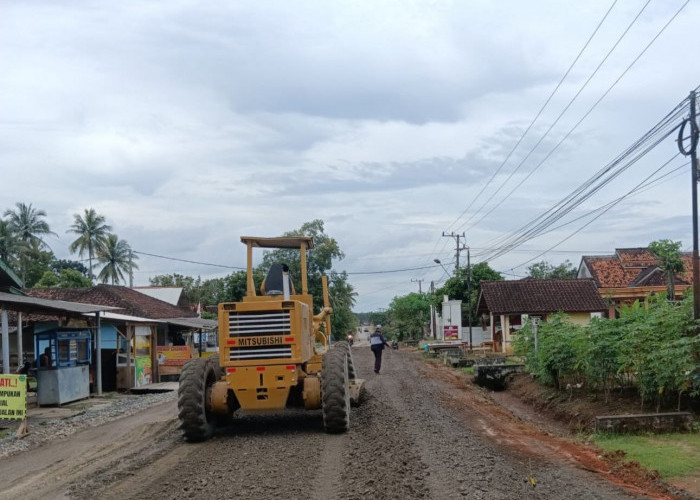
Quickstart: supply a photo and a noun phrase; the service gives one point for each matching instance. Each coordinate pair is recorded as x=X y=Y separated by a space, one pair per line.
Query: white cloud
x=189 y=124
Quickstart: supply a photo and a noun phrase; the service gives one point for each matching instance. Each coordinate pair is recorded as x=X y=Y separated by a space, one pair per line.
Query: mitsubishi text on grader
x=274 y=352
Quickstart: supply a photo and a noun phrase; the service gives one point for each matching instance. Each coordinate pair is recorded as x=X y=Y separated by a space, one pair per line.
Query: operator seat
x=273 y=282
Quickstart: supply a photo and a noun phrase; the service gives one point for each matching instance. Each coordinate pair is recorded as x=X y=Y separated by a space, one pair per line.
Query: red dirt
x=535 y=439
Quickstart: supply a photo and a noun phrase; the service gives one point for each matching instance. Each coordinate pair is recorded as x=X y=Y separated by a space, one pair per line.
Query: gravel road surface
x=418 y=434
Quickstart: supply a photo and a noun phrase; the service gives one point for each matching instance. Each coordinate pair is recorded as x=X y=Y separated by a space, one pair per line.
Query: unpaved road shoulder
x=416 y=436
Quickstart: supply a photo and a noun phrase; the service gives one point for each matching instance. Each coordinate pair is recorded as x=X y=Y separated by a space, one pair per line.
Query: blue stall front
x=63 y=366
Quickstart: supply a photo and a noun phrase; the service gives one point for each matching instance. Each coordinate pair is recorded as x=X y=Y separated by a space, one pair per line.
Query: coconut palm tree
x=117 y=257
x=92 y=232
x=27 y=223
x=11 y=247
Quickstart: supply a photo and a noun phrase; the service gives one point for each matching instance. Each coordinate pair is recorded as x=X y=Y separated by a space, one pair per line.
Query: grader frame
x=273 y=353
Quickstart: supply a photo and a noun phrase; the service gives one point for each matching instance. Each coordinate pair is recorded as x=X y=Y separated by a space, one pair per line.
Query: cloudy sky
x=188 y=124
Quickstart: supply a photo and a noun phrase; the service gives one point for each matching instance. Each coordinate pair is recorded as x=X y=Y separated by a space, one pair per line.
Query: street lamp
x=437 y=261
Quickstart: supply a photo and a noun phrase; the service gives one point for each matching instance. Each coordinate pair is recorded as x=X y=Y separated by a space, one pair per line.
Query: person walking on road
x=377 y=343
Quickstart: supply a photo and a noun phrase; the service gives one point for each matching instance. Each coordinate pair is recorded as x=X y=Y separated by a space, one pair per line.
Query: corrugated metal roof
x=26 y=304
x=206 y=324
x=8 y=278
x=168 y=294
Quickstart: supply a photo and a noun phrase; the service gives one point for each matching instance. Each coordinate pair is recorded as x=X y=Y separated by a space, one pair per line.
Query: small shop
x=135 y=356
x=63 y=371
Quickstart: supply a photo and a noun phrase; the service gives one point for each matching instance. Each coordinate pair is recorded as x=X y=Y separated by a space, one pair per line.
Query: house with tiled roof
x=133 y=336
x=506 y=305
x=631 y=274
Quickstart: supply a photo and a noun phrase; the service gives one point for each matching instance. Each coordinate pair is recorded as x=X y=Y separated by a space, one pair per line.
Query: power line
x=391 y=270
x=532 y=122
x=559 y=117
x=547 y=101
x=584 y=116
x=588 y=188
x=189 y=261
x=611 y=205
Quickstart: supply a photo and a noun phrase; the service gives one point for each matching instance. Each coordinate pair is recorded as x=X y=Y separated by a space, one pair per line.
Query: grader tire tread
x=192 y=413
x=345 y=346
x=335 y=395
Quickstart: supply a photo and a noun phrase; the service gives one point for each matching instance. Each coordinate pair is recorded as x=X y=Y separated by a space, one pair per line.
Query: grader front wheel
x=335 y=392
x=345 y=347
x=197 y=377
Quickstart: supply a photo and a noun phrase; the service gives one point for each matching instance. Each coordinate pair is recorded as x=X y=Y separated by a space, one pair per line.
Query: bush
x=654 y=348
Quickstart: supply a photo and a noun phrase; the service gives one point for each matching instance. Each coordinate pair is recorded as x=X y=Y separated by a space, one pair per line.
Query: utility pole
x=692 y=152
x=433 y=326
x=469 y=295
x=131 y=269
x=420 y=290
x=456 y=237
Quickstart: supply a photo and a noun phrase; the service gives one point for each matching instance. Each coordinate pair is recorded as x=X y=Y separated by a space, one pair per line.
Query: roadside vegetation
x=671 y=455
x=653 y=350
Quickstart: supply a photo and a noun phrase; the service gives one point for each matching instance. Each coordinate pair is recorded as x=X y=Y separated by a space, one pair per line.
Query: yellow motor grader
x=274 y=352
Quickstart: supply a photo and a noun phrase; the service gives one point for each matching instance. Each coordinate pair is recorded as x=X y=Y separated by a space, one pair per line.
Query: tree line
x=320 y=259
x=23 y=247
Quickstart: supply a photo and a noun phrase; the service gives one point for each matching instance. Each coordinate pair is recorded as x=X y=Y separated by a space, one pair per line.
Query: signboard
x=13 y=397
x=143 y=370
x=173 y=355
x=451 y=332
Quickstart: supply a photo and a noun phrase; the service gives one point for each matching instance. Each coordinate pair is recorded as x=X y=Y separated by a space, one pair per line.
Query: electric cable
x=579 y=195
x=559 y=117
x=597 y=216
x=566 y=136
x=539 y=113
x=532 y=122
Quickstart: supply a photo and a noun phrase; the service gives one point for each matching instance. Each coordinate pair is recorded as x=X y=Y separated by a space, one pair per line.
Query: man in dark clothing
x=377 y=343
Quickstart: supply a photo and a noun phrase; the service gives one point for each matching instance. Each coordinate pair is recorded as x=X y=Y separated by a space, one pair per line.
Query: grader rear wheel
x=335 y=393
x=345 y=347
x=197 y=377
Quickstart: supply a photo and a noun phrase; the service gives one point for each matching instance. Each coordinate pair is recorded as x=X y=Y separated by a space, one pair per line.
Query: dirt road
x=421 y=433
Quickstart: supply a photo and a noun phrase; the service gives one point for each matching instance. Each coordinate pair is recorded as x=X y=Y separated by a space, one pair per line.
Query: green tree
x=319 y=260
x=37 y=260
x=58 y=265
x=11 y=246
x=465 y=280
x=409 y=315
x=342 y=298
x=373 y=318
x=67 y=278
x=117 y=257
x=669 y=254
x=92 y=234
x=545 y=270
x=28 y=224
x=231 y=288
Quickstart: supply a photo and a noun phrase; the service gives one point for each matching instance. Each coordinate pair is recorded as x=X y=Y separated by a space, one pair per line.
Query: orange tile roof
x=628 y=265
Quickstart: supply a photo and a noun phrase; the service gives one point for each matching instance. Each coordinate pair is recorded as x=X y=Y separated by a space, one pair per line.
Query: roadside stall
x=63 y=371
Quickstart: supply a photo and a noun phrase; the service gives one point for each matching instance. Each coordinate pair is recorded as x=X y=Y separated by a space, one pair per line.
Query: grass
x=468 y=369
x=672 y=455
